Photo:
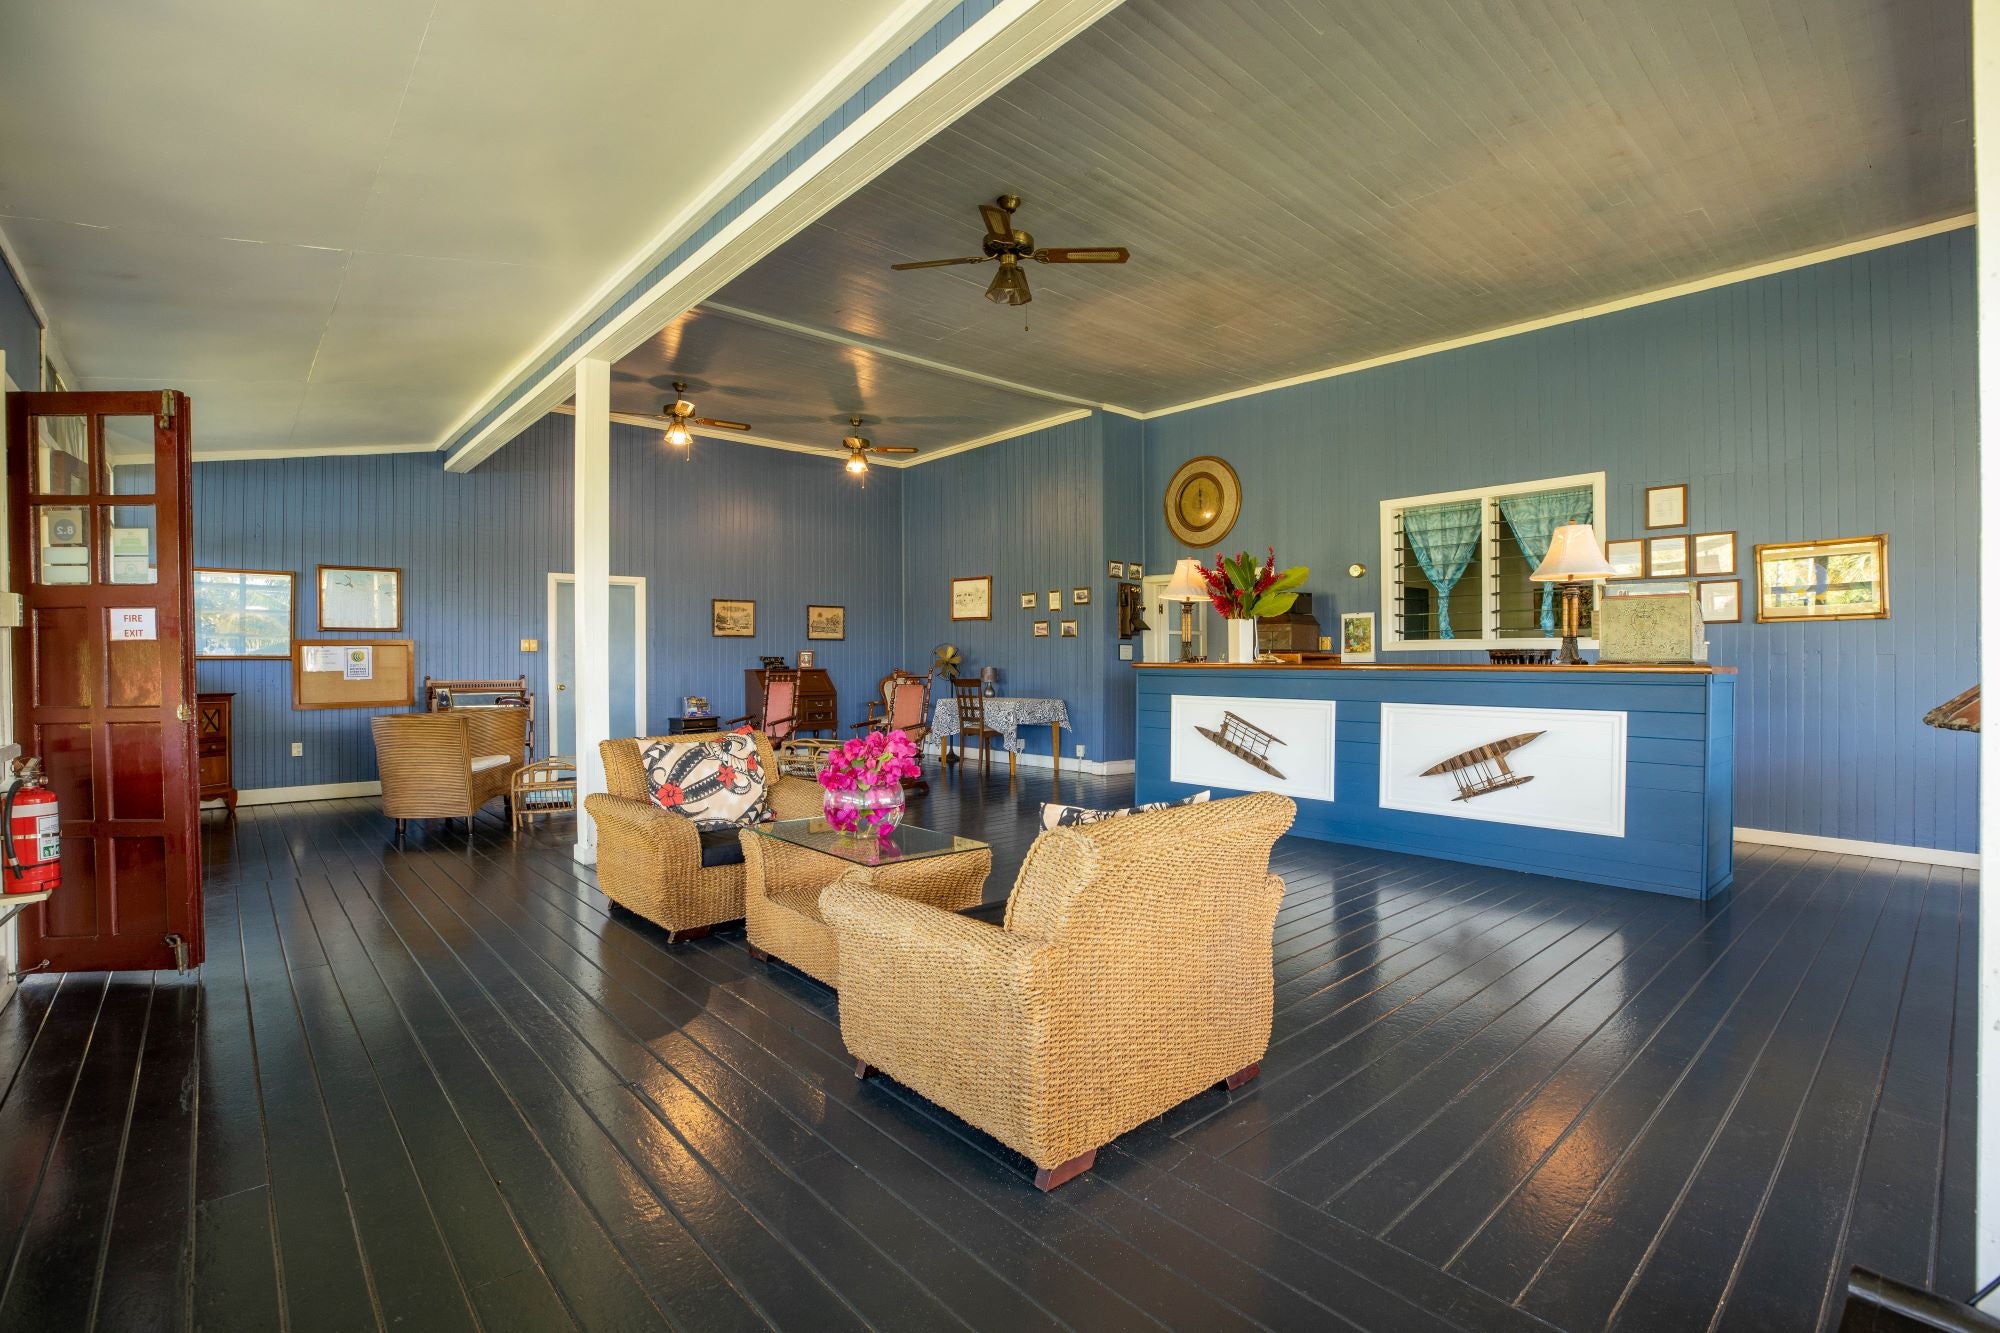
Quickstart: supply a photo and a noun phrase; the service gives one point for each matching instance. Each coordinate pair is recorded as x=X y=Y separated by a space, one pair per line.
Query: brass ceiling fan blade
x=1103 y=254
x=891 y=449
x=999 y=222
x=722 y=425
x=942 y=263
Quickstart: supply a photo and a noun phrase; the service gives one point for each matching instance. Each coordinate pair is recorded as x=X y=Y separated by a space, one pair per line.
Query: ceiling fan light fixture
x=678 y=434
x=856 y=464
x=1010 y=284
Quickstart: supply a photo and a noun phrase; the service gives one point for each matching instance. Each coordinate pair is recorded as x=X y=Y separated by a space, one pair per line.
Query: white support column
x=1986 y=182
x=592 y=563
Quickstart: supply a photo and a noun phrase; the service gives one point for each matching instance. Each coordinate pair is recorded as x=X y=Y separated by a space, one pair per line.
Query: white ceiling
x=1312 y=183
x=339 y=225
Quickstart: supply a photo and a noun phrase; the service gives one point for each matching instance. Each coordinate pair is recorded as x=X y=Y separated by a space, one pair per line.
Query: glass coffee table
x=788 y=863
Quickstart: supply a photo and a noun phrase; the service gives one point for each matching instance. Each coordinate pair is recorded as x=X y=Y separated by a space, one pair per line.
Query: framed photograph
x=1666 y=557
x=1079 y=597
x=694 y=705
x=1846 y=578
x=1134 y=570
x=1041 y=629
x=972 y=599
x=1627 y=558
x=826 y=622
x=728 y=619
x=360 y=597
x=1357 y=636
x=1028 y=600
x=1069 y=629
x=243 y=613
x=807 y=657
x=1116 y=569
x=1714 y=552
x=1721 y=601
x=1667 y=506
x=1055 y=599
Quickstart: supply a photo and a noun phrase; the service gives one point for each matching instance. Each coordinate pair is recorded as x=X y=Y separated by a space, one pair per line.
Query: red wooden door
x=98 y=487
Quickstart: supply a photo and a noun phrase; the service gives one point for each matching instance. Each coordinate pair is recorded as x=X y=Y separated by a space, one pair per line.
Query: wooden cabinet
x=818 y=708
x=214 y=734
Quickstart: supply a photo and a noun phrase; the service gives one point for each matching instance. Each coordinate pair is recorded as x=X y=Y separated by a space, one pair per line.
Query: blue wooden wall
x=477 y=549
x=1831 y=401
x=1031 y=512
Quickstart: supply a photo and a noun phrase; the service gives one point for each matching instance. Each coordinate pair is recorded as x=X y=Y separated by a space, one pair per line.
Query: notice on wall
x=322 y=657
x=358 y=663
x=130 y=623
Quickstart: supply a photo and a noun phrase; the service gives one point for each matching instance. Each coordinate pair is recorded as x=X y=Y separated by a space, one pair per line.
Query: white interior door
x=627 y=652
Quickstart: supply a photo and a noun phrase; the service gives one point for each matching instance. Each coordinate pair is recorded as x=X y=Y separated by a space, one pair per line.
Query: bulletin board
x=334 y=681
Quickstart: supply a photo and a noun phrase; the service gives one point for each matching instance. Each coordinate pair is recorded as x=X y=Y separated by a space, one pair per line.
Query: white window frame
x=1389 y=634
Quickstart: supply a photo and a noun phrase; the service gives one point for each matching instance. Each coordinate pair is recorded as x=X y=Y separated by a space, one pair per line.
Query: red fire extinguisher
x=33 y=859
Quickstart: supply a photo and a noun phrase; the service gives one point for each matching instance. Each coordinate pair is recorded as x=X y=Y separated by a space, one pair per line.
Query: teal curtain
x=1443 y=538
x=1534 y=519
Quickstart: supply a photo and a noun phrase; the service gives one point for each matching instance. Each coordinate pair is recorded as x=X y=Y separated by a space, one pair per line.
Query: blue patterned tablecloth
x=1006 y=715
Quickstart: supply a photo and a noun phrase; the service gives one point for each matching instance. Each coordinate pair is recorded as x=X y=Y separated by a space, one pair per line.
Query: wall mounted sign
x=1203 y=499
x=130 y=623
x=1846 y=578
x=1571 y=777
x=1276 y=745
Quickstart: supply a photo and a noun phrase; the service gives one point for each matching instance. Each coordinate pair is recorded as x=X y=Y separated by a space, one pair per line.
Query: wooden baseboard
x=1887 y=851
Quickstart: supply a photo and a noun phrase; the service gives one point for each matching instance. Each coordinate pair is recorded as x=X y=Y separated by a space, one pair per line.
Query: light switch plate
x=531 y=645
x=1124 y=652
x=298 y=749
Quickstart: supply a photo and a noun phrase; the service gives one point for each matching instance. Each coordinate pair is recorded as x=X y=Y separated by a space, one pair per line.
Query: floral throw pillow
x=1069 y=816
x=719 y=784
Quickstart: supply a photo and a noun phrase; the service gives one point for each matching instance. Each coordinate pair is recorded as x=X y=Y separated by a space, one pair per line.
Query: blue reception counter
x=1616 y=775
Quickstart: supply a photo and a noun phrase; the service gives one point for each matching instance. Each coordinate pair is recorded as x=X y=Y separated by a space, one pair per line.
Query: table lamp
x=1574 y=561
x=989 y=676
x=1186 y=587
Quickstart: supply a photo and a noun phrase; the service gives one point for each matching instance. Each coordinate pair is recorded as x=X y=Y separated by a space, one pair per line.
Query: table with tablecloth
x=1007 y=714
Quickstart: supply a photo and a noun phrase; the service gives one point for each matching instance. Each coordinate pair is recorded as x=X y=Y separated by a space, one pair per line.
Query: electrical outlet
x=1079 y=752
x=298 y=749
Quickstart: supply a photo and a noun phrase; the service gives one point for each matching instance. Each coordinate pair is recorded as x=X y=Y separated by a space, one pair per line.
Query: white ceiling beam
x=1011 y=38
x=907 y=358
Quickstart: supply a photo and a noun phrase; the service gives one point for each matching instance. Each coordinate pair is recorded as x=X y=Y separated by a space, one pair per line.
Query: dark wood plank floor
x=447 y=1088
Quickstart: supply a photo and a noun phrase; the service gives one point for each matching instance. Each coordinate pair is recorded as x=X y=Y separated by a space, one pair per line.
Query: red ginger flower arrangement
x=1241 y=590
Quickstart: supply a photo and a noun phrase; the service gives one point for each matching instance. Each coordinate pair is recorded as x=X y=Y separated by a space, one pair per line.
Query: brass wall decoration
x=1203 y=499
x=1483 y=769
x=1247 y=741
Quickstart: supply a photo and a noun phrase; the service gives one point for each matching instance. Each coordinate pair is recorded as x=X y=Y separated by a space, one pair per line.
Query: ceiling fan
x=1010 y=247
x=680 y=415
x=859 y=446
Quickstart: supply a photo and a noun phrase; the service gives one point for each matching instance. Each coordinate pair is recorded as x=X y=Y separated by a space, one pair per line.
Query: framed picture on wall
x=1627 y=558
x=730 y=619
x=1357 y=636
x=1079 y=597
x=972 y=598
x=1027 y=601
x=243 y=613
x=826 y=622
x=1721 y=601
x=1667 y=506
x=1055 y=599
x=1714 y=553
x=1845 y=578
x=365 y=597
x=1667 y=557
x=1068 y=629
x=1041 y=629
x=1115 y=568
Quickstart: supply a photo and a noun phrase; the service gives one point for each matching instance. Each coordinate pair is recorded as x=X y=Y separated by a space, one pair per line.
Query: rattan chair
x=969 y=695
x=656 y=863
x=1133 y=971
x=904 y=704
x=446 y=765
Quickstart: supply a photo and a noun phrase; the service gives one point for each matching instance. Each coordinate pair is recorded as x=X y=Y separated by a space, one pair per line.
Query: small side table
x=684 y=726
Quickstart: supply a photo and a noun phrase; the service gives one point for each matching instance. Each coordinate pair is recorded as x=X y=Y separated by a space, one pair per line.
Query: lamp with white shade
x=1186 y=587
x=1574 y=562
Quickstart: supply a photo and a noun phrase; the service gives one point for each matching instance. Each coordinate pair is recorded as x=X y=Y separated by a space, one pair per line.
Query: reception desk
x=1615 y=775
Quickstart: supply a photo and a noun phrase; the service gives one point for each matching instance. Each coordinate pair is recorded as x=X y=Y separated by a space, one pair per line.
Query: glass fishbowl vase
x=865 y=812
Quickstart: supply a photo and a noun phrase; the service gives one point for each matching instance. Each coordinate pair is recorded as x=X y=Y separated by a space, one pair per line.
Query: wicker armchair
x=656 y=863
x=446 y=765
x=1133 y=971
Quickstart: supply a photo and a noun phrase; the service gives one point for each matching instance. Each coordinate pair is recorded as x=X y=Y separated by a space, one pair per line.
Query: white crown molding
x=1012 y=37
x=890 y=38
x=1010 y=433
x=1725 y=279
x=907 y=358
x=764 y=441
x=329 y=451
x=1887 y=851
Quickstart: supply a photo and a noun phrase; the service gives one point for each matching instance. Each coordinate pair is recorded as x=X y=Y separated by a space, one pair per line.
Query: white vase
x=1242 y=640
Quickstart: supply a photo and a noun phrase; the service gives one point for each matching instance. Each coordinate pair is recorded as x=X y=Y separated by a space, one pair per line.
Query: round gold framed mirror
x=1203 y=500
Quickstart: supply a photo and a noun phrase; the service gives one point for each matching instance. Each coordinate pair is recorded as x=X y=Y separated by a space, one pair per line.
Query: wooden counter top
x=1619 y=668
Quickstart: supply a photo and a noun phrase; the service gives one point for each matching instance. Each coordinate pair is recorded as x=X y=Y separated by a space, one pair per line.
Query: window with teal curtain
x=1443 y=537
x=1534 y=520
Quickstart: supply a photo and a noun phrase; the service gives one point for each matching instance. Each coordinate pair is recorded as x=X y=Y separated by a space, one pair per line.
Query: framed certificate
x=1667 y=506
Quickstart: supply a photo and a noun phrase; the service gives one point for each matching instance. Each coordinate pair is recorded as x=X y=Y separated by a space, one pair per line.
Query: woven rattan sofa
x=446 y=765
x=1132 y=972
x=654 y=862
